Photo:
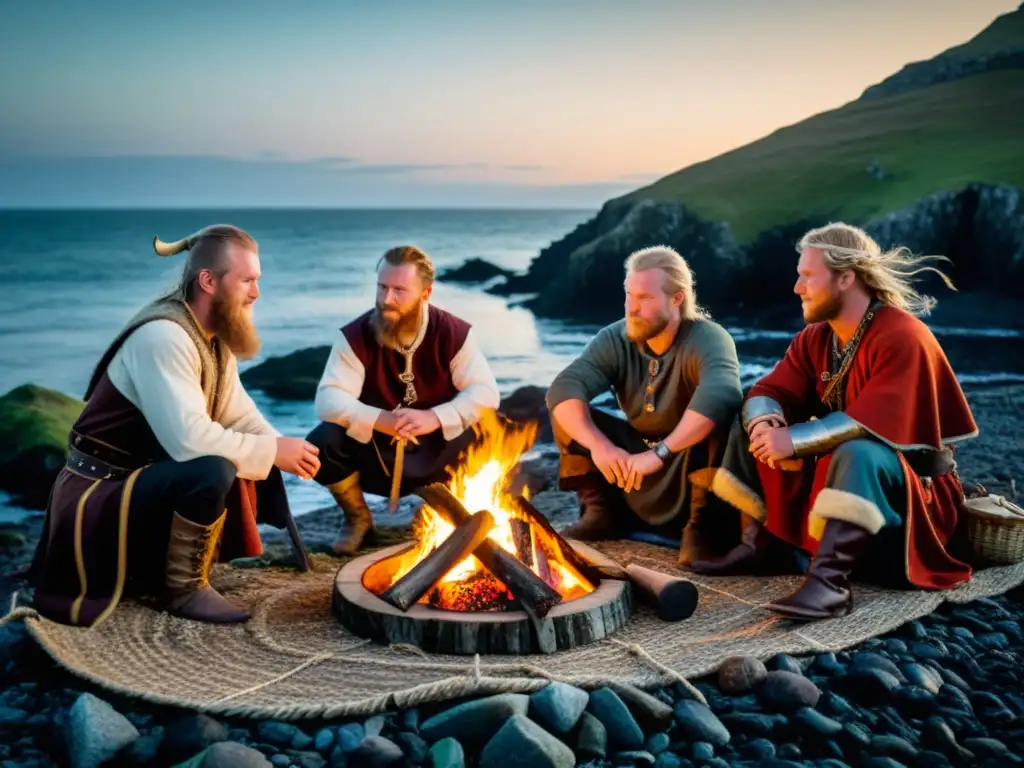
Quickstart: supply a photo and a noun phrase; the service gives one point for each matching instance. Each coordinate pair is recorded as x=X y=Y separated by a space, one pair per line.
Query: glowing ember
x=482 y=483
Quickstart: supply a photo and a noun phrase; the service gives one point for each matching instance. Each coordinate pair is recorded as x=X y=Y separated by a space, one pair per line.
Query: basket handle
x=1008 y=505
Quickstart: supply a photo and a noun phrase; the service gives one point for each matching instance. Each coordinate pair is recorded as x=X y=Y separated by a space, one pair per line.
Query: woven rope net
x=294 y=660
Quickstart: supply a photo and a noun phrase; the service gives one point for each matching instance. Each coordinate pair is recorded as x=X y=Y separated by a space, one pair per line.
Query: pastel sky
x=454 y=102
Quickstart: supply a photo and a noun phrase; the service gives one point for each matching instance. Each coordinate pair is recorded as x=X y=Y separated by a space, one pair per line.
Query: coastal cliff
x=929 y=159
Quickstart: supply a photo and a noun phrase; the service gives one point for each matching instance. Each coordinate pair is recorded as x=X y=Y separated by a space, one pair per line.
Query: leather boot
x=597 y=520
x=693 y=547
x=358 y=517
x=825 y=593
x=759 y=553
x=190 y=554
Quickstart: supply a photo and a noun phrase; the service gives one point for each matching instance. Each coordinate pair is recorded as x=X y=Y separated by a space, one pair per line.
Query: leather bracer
x=822 y=435
x=760 y=408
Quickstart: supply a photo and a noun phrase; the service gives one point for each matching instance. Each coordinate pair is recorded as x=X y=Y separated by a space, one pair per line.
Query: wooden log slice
x=575 y=622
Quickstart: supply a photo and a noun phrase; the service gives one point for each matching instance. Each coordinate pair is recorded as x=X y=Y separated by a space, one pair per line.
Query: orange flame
x=482 y=482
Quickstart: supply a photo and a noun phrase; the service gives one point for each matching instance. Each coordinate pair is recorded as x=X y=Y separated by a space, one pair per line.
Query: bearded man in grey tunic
x=675 y=376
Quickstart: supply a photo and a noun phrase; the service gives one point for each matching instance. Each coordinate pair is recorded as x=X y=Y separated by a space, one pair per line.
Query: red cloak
x=902 y=389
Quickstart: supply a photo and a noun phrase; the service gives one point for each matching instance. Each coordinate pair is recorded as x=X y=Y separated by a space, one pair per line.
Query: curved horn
x=169 y=249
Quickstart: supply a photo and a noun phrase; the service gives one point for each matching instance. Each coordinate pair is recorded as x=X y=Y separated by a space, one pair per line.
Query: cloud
x=524 y=167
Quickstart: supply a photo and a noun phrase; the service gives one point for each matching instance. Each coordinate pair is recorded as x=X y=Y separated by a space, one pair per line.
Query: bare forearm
x=573 y=416
x=690 y=430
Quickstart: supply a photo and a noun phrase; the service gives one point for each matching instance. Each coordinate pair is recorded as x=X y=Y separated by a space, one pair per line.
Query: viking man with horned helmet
x=844 y=450
x=170 y=465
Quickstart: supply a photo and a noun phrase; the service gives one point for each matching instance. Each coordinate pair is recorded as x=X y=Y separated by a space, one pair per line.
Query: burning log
x=466 y=537
x=585 y=568
x=673 y=598
x=535 y=595
x=523 y=541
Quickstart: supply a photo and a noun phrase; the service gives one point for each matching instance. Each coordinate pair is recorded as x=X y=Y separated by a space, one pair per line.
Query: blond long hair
x=680 y=277
x=886 y=274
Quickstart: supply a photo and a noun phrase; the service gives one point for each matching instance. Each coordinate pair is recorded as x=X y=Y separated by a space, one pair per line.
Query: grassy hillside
x=937 y=138
x=1005 y=32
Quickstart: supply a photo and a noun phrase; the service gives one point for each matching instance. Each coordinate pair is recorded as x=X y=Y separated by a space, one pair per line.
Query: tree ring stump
x=568 y=625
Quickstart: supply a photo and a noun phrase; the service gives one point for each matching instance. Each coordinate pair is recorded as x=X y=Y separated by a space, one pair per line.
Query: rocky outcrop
x=34 y=426
x=581 y=275
x=941 y=69
x=294 y=376
x=980 y=228
x=473 y=271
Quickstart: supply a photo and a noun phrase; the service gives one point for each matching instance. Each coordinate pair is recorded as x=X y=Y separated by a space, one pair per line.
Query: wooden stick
x=523 y=540
x=535 y=595
x=564 y=549
x=673 y=598
x=466 y=537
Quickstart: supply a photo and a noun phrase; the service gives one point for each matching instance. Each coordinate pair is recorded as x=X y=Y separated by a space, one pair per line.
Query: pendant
x=825 y=376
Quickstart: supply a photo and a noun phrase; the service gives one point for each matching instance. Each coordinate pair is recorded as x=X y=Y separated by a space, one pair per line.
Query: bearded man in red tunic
x=844 y=450
x=403 y=385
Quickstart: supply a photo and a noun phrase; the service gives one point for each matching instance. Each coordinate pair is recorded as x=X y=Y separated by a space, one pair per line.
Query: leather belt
x=95 y=469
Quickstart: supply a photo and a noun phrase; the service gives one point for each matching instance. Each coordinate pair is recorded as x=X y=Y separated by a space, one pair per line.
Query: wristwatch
x=662 y=451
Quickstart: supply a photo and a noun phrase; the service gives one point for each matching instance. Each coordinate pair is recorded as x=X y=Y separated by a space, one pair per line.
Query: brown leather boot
x=757 y=554
x=358 y=517
x=597 y=520
x=190 y=555
x=825 y=593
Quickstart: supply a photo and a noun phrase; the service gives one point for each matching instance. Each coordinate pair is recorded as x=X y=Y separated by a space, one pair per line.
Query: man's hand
x=410 y=422
x=641 y=465
x=772 y=445
x=763 y=426
x=613 y=462
x=297 y=457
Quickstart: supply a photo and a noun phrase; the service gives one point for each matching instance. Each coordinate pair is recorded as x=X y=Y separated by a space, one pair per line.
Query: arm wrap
x=758 y=409
x=822 y=435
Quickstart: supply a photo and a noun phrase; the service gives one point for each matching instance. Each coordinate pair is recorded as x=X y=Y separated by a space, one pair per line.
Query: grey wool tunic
x=700 y=372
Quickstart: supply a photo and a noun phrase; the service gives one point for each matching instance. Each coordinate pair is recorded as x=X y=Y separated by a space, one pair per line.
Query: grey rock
x=635 y=757
x=699 y=723
x=374 y=726
x=652 y=714
x=96 y=732
x=922 y=676
x=752 y=723
x=12 y=715
x=277 y=733
x=447 y=753
x=307 y=759
x=376 y=752
x=668 y=760
x=893 y=746
x=188 y=735
x=280 y=761
x=227 y=754
x=350 y=736
x=814 y=721
x=475 y=722
x=521 y=742
x=785 y=691
x=413 y=745
x=623 y=730
x=657 y=743
x=558 y=706
x=785 y=663
x=591 y=738
x=739 y=674
x=323 y=740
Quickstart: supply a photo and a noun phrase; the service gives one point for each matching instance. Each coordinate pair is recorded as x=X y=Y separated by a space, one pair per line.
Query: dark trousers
x=199 y=490
x=429 y=462
x=577 y=473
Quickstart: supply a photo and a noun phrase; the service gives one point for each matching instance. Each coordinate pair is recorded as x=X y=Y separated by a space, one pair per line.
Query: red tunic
x=431 y=362
x=902 y=389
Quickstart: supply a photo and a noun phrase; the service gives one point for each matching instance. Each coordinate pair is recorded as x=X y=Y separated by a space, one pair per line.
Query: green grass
x=937 y=138
x=31 y=416
x=1007 y=31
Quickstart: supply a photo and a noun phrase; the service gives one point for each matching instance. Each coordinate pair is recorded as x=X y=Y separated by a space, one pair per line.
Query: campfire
x=479 y=546
x=486 y=572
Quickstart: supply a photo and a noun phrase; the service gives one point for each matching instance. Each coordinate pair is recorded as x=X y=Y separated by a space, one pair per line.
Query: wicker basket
x=995 y=529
